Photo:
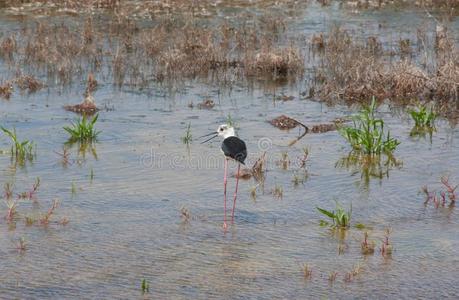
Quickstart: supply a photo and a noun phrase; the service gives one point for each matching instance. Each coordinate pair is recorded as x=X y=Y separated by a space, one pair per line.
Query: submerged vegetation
x=377 y=166
x=386 y=246
x=12 y=202
x=187 y=138
x=307 y=271
x=368 y=134
x=367 y=246
x=278 y=192
x=440 y=199
x=145 y=286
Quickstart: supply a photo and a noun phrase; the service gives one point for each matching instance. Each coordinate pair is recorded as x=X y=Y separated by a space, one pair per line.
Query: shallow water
x=125 y=223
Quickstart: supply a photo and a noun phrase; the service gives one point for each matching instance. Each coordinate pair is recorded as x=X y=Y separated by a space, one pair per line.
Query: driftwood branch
x=306 y=130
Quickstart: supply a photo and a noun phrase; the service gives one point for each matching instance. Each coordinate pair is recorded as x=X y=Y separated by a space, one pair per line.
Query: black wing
x=235 y=148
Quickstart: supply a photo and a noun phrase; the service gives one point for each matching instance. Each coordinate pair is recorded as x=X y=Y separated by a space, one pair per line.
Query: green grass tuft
x=20 y=150
x=187 y=138
x=145 y=286
x=368 y=134
x=83 y=130
x=423 y=117
x=340 y=217
x=230 y=121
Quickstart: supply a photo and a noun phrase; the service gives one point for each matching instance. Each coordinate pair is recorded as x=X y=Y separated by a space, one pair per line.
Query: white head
x=225 y=131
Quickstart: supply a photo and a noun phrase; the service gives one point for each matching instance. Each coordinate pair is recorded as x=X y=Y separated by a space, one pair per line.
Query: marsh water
x=123 y=199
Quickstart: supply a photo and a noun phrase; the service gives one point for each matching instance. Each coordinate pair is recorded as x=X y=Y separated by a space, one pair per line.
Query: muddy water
x=125 y=223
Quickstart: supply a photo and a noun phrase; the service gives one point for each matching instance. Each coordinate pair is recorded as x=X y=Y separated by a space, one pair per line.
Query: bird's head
x=223 y=130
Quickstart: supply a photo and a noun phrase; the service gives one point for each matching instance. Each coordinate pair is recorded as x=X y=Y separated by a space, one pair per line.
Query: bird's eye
x=221 y=129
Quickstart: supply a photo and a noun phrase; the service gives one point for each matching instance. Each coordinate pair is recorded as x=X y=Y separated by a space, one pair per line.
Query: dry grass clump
x=7 y=47
x=195 y=51
x=149 y=8
x=405 y=80
x=350 y=70
x=68 y=4
x=353 y=70
x=446 y=80
x=87 y=107
x=318 y=42
x=59 y=51
x=283 y=122
x=206 y=104
x=277 y=62
x=137 y=55
x=91 y=84
x=6 y=89
x=371 y=4
x=29 y=83
x=325 y=127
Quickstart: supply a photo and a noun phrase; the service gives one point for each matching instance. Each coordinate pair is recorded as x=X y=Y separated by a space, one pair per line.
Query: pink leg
x=224 y=192
x=235 y=192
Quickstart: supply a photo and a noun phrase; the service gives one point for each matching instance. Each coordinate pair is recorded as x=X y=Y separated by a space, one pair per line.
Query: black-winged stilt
x=233 y=148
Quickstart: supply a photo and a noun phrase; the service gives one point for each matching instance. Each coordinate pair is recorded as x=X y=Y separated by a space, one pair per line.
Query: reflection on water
x=376 y=166
x=417 y=133
x=82 y=149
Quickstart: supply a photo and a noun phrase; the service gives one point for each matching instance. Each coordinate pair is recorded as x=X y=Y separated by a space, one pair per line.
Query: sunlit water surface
x=125 y=222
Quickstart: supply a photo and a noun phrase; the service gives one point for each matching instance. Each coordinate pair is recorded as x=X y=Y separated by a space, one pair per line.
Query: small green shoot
x=340 y=217
x=230 y=121
x=20 y=150
x=368 y=134
x=83 y=130
x=360 y=226
x=323 y=223
x=424 y=119
x=187 y=138
x=73 y=188
x=423 y=116
x=145 y=286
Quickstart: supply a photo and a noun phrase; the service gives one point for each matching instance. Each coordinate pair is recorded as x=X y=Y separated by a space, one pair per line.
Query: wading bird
x=233 y=148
